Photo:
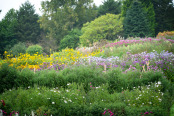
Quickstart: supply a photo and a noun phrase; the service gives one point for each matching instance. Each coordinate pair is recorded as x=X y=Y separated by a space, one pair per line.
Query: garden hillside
x=131 y=77
x=79 y=59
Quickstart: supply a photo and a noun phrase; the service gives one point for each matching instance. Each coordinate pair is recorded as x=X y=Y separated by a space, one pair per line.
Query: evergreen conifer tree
x=136 y=23
x=27 y=29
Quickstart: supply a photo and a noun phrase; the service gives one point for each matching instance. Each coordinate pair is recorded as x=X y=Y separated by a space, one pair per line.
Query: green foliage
x=148 y=7
x=34 y=49
x=136 y=23
x=7 y=77
x=159 y=19
x=110 y=6
x=25 y=78
x=65 y=15
x=18 y=48
x=105 y=27
x=7 y=31
x=172 y=110
x=71 y=40
x=164 y=18
x=49 y=79
x=27 y=28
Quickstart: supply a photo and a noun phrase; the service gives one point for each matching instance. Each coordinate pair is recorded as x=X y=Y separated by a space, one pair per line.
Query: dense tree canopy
x=105 y=27
x=7 y=31
x=110 y=6
x=160 y=14
x=60 y=16
x=27 y=28
x=136 y=22
x=148 y=6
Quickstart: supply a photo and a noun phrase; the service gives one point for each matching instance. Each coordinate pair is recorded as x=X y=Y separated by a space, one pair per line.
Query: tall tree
x=110 y=6
x=160 y=13
x=61 y=16
x=27 y=29
x=148 y=6
x=7 y=31
x=164 y=14
x=136 y=23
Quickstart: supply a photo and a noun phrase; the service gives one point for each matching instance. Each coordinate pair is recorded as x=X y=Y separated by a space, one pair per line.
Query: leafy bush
x=18 y=48
x=34 y=49
x=105 y=27
x=71 y=40
x=49 y=79
x=7 y=77
x=25 y=78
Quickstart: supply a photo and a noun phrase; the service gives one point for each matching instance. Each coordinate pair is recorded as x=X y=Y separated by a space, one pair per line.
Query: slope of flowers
x=37 y=62
x=139 y=41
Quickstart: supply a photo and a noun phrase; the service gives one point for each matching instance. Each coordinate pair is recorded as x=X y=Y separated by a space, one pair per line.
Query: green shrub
x=25 y=78
x=172 y=110
x=49 y=78
x=7 y=77
x=18 y=48
x=71 y=40
x=84 y=75
x=34 y=49
x=105 y=27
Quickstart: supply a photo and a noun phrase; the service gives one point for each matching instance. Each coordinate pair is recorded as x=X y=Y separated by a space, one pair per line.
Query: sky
x=6 y=5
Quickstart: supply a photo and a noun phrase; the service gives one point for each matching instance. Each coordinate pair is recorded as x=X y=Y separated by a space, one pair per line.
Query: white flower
x=140 y=94
x=48 y=98
x=68 y=84
x=159 y=82
x=28 y=86
x=69 y=100
x=159 y=99
x=142 y=103
x=65 y=101
x=150 y=102
x=38 y=93
x=53 y=102
x=54 y=91
x=162 y=93
x=83 y=97
x=56 y=87
x=38 y=88
x=67 y=90
x=31 y=98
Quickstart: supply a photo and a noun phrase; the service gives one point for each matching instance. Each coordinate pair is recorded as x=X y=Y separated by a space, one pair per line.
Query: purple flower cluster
x=152 y=61
x=5 y=113
x=109 y=111
x=148 y=113
x=55 y=66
